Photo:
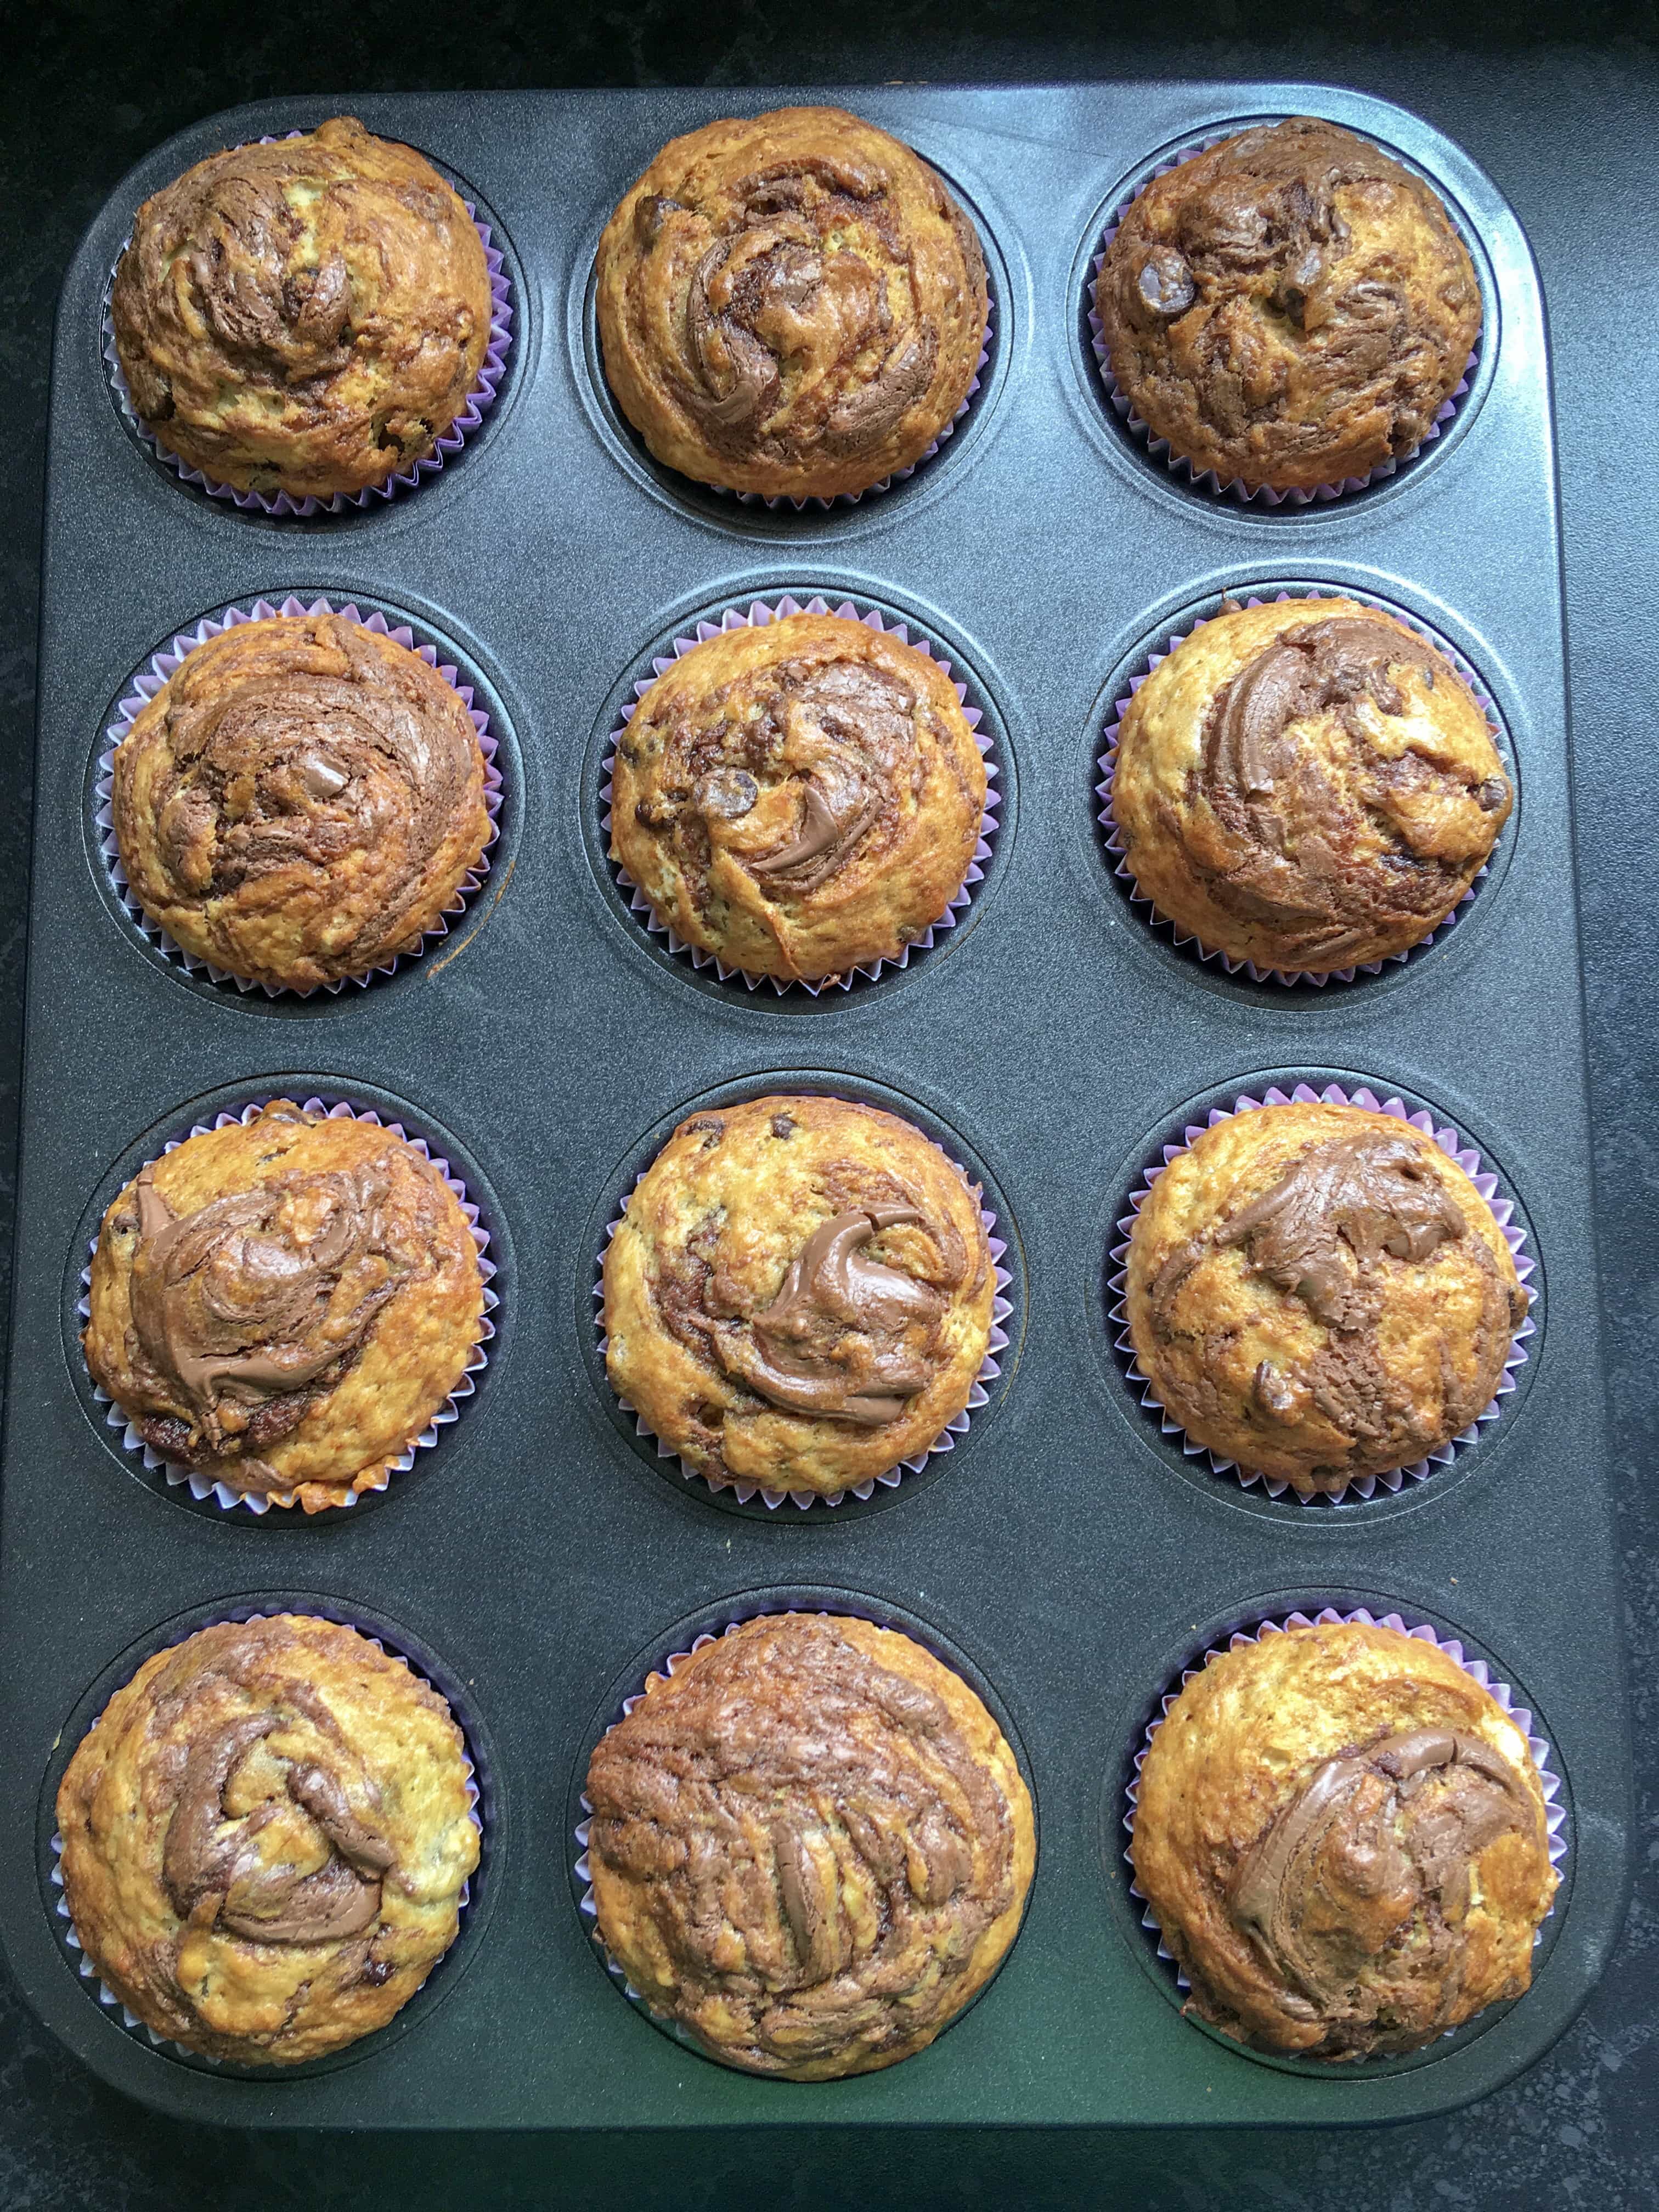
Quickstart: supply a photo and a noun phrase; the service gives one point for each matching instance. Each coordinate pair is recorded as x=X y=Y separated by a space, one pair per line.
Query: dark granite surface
x=1568 y=130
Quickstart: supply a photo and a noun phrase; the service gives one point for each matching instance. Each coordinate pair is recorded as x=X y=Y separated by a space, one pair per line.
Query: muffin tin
x=1065 y=1550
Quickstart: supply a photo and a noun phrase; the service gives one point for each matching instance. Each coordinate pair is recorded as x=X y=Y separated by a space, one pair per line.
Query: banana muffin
x=799 y=798
x=1307 y=786
x=791 y=304
x=810 y=1846
x=1290 y=308
x=1318 y=1292
x=283 y=1304
x=307 y=316
x=267 y=1836
x=300 y=801
x=799 y=1294
x=1342 y=1838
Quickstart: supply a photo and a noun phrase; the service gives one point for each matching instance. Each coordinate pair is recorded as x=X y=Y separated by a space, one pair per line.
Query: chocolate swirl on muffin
x=266 y=1835
x=283 y=1304
x=302 y=800
x=1343 y=1839
x=799 y=1294
x=1307 y=785
x=810 y=1846
x=1318 y=1293
x=1289 y=309
x=790 y=305
x=307 y=316
x=799 y=798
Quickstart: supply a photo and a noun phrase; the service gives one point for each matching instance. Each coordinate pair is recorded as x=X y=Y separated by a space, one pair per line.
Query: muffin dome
x=791 y=304
x=267 y=1835
x=798 y=798
x=302 y=800
x=799 y=1294
x=283 y=1304
x=1318 y=1293
x=307 y=316
x=810 y=1846
x=1307 y=786
x=1342 y=1836
x=1290 y=308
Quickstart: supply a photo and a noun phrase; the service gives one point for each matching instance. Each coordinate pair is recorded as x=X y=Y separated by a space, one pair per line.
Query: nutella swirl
x=1287 y=810
x=808 y=1846
x=301 y=801
x=793 y=303
x=1374 y=1844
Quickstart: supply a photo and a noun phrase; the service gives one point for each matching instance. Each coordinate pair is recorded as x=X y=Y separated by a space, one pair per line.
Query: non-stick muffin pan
x=1067 y=1551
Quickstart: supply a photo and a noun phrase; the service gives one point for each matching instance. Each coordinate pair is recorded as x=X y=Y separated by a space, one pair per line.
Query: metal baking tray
x=541 y=1556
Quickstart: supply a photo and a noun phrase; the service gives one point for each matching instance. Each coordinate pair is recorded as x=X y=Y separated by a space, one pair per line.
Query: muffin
x=1318 y=1293
x=300 y=801
x=799 y=798
x=283 y=1304
x=799 y=1294
x=1307 y=786
x=791 y=304
x=1342 y=1839
x=810 y=1846
x=307 y=316
x=266 y=1839
x=1289 y=309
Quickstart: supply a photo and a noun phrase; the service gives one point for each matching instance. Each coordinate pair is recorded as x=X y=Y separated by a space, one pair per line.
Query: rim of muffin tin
x=1155 y=647
x=149 y=678
x=664 y=1655
x=485 y=1787
x=1223 y=1477
x=1272 y=1617
x=784 y=512
x=186 y=1486
x=1156 y=456
x=757 y=613
x=472 y=418
x=1008 y=1311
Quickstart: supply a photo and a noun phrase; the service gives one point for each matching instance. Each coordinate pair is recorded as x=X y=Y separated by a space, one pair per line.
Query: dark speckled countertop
x=1561 y=107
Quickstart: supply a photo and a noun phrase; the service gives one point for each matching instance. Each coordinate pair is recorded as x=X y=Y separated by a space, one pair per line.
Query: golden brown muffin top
x=790 y=304
x=799 y=1294
x=301 y=801
x=811 y=1845
x=307 y=316
x=266 y=1833
x=1307 y=785
x=1318 y=1292
x=1290 y=308
x=241 y=1291
x=798 y=798
x=1342 y=1838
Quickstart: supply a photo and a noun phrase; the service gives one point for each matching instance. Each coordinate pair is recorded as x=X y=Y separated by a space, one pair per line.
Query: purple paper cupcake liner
x=757 y=614
x=479 y=400
x=1456 y=1148
x=141 y=688
x=1187 y=939
x=1160 y=449
x=775 y=499
x=202 y=1487
x=1555 y=1812
x=75 y=1950
x=891 y=1477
